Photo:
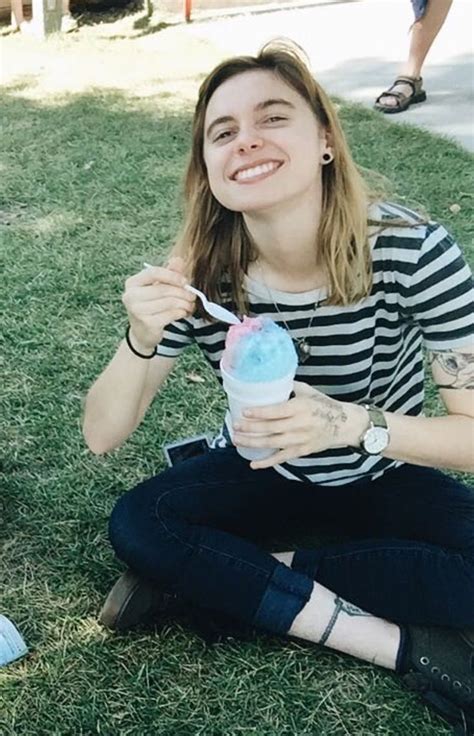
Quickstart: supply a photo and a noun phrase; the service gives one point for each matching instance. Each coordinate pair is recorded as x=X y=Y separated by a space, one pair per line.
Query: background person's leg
x=423 y=33
x=18 y=19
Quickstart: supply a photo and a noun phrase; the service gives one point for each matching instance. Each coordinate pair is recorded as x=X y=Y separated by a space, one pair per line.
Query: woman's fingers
x=270 y=426
x=276 y=459
x=156 y=274
x=154 y=298
x=172 y=315
x=284 y=410
x=268 y=440
x=157 y=291
x=160 y=306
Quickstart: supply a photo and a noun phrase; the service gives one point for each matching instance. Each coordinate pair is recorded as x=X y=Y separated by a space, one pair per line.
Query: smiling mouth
x=258 y=172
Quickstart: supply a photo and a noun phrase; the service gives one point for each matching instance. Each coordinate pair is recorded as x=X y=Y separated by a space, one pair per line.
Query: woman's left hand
x=308 y=423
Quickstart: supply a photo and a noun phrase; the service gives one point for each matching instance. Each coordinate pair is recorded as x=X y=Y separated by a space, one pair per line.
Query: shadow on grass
x=201 y=14
x=104 y=11
x=90 y=14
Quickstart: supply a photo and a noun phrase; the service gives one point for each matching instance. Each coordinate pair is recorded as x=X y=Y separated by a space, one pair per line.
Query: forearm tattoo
x=341 y=606
x=331 y=412
x=458 y=366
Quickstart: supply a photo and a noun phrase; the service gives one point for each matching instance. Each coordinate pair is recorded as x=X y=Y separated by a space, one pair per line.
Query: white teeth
x=256 y=171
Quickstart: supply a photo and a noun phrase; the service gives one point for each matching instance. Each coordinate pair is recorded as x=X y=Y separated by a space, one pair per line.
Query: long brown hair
x=214 y=240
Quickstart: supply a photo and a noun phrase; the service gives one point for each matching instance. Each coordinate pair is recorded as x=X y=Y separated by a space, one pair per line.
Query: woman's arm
x=116 y=403
x=118 y=400
x=443 y=442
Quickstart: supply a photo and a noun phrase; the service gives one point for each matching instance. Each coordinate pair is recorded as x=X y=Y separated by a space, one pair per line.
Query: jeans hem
x=306 y=561
x=287 y=593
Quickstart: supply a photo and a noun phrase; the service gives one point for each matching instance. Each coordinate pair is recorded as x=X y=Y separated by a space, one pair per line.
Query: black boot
x=441 y=668
x=134 y=601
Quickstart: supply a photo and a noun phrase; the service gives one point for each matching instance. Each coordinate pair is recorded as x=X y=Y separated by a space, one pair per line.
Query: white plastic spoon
x=215 y=310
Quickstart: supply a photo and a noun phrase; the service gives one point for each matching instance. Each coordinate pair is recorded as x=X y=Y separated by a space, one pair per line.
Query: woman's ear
x=327 y=154
x=327 y=141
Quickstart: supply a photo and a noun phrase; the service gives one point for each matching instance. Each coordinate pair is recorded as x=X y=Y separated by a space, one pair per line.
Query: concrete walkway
x=355 y=47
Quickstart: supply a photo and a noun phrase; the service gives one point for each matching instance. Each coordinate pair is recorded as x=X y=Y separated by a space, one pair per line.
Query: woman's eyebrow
x=260 y=106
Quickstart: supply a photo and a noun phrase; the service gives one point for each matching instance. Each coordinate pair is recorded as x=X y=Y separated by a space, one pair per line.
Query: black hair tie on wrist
x=135 y=352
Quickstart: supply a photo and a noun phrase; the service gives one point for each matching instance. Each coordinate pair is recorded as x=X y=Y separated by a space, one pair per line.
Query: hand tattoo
x=332 y=412
x=348 y=608
x=459 y=366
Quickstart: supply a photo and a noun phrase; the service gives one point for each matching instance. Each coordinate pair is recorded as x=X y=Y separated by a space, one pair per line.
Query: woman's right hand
x=153 y=298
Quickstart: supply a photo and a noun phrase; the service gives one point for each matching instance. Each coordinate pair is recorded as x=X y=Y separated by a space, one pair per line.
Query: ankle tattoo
x=341 y=605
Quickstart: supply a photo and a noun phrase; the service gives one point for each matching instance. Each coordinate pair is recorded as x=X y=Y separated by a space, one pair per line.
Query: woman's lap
x=413 y=559
x=416 y=503
x=192 y=529
x=186 y=529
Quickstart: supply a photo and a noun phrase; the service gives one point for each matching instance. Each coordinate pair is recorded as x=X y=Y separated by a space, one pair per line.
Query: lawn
x=89 y=189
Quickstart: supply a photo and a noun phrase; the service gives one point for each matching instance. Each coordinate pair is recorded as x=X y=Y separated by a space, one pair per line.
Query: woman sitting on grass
x=279 y=223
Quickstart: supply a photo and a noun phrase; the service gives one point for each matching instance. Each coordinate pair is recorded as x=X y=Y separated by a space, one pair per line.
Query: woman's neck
x=286 y=241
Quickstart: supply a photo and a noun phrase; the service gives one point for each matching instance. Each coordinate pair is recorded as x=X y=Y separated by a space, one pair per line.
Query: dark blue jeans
x=199 y=530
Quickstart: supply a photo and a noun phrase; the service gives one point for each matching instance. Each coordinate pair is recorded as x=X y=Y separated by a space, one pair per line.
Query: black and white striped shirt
x=370 y=351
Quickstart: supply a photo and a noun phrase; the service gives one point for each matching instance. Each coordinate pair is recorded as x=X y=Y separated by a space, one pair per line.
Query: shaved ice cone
x=258 y=369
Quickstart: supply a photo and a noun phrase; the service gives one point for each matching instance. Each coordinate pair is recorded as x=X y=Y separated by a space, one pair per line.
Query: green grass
x=90 y=189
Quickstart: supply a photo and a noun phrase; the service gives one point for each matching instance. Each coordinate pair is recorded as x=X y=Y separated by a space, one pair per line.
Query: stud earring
x=327 y=158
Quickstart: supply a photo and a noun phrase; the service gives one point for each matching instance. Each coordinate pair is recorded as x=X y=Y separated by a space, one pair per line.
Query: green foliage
x=89 y=190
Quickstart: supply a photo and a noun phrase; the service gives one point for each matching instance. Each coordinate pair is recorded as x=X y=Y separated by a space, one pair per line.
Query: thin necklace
x=302 y=344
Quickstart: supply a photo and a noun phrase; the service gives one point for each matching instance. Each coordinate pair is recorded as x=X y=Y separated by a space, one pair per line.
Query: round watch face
x=376 y=440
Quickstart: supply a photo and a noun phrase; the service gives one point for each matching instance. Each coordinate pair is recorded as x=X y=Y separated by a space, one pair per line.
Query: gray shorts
x=419 y=7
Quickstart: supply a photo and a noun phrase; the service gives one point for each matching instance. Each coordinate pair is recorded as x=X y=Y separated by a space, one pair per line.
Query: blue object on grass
x=12 y=645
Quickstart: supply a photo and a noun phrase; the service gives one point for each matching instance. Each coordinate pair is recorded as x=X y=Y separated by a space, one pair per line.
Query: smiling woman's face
x=262 y=143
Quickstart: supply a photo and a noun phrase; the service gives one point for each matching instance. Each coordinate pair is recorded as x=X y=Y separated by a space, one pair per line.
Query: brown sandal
x=403 y=100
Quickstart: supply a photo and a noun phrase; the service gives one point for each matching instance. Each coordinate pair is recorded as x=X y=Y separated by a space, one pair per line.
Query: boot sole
x=130 y=603
x=450 y=712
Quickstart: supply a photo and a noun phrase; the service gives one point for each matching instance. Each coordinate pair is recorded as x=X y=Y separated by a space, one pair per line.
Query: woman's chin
x=255 y=205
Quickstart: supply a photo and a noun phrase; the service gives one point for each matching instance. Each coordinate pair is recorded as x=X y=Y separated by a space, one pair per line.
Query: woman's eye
x=274 y=119
x=222 y=135
x=227 y=133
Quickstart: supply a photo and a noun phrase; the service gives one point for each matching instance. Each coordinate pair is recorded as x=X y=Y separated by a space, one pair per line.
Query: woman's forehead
x=246 y=91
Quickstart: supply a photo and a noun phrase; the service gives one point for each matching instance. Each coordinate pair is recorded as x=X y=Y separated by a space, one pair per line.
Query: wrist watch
x=376 y=437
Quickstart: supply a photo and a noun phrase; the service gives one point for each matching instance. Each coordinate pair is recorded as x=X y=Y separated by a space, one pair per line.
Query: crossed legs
x=196 y=531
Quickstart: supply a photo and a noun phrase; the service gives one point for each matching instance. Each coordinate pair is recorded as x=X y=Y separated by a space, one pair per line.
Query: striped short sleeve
x=176 y=336
x=440 y=295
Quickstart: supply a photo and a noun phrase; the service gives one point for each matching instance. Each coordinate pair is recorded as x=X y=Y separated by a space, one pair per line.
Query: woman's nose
x=248 y=141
